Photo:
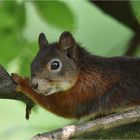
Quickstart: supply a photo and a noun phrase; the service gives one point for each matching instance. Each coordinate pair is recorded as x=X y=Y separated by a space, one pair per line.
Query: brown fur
x=98 y=85
x=65 y=103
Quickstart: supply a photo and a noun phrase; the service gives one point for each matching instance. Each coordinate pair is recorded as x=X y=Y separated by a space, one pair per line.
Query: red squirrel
x=73 y=83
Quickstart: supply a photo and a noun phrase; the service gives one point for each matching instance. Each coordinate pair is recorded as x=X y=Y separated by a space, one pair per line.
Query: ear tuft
x=66 y=40
x=42 y=41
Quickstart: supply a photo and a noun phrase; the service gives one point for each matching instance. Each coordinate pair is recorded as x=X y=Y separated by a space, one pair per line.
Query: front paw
x=17 y=79
x=21 y=82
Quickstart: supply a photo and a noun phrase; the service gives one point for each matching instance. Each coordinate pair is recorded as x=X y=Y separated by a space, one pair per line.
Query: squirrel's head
x=55 y=68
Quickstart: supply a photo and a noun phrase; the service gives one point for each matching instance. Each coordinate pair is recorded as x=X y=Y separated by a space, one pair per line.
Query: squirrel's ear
x=42 y=41
x=66 y=40
x=68 y=45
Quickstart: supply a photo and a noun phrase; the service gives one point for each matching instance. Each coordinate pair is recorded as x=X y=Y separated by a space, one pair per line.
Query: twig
x=7 y=91
x=91 y=126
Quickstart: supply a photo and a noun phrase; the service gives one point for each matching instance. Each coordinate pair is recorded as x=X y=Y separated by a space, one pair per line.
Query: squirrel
x=73 y=83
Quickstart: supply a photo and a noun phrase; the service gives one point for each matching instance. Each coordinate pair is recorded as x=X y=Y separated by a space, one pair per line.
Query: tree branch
x=8 y=91
x=91 y=126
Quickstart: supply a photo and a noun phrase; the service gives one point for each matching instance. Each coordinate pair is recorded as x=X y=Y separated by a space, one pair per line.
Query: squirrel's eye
x=55 y=65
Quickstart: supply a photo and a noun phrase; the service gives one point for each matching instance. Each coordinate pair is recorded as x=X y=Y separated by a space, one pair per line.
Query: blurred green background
x=20 y=24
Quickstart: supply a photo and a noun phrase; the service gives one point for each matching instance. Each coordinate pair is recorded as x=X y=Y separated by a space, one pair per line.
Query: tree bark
x=8 y=91
x=107 y=122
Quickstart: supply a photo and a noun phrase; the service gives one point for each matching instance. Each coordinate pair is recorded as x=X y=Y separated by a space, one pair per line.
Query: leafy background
x=20 y=24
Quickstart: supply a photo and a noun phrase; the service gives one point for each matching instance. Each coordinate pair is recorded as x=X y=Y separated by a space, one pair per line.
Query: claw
x=18 y=79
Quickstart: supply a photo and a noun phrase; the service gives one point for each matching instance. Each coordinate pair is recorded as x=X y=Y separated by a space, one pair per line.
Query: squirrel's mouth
x=49 y=91
x=45 y=87
x=53 y=88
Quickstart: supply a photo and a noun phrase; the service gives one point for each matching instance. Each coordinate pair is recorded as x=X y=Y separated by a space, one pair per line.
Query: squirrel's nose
x=34 y=85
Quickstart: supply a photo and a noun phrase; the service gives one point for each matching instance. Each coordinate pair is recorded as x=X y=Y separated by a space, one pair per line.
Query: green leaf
x=56 y=13
x=12 y=19
x=15 y=10
x=136 y=8
x=10 y=47
x=28 y=53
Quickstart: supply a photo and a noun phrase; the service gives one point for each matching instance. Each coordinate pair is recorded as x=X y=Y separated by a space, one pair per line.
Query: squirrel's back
x=74 y=83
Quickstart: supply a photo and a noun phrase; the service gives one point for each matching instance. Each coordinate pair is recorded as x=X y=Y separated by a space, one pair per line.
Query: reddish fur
x=102 y=87
x=64 y=103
